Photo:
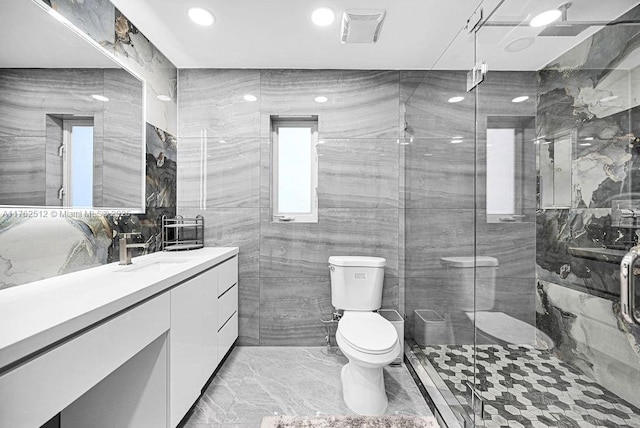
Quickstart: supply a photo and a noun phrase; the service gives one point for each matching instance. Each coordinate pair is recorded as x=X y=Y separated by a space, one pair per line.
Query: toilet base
x=363 y=389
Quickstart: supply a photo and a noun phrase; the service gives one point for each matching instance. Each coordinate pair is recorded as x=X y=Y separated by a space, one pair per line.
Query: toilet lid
x=368 y=332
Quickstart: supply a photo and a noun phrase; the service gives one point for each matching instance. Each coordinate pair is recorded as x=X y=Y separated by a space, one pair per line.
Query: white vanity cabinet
x=117 y=346
x=199 y=337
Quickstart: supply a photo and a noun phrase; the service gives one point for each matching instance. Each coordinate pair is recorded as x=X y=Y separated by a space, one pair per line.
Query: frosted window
x=501 y=154
x=294 y=170
x=82 y=166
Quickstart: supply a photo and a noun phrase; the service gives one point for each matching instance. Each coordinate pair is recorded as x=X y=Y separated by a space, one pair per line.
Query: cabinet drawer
x=227 y=335
x=227 y=305
x=227 y=274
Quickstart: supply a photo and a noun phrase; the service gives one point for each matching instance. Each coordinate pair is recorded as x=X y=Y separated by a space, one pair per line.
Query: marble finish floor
x=298 y=381
x=525 y=387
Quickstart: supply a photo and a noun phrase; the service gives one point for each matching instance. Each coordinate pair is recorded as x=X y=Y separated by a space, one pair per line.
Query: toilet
x=471 y=291
x=368 y=340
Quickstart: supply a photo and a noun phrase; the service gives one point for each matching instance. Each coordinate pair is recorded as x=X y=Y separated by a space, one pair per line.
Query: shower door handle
x=629 y=270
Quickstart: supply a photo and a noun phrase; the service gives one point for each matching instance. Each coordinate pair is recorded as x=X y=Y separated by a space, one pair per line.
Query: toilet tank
x=356 y=282
x=471 y=282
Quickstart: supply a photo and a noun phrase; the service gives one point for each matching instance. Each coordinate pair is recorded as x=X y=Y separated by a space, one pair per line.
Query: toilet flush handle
x=331 y=268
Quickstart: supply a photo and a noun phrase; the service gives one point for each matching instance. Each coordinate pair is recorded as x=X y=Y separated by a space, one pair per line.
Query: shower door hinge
x=474 y=20
x=476 y=75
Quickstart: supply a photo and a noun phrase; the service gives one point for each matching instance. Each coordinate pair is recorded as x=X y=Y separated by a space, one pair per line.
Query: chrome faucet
x=125 y=254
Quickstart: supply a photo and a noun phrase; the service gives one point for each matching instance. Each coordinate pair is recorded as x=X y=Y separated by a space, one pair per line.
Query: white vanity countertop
x=36 y=315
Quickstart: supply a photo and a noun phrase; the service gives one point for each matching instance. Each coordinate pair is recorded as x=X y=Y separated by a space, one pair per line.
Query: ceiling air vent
x=362 y=26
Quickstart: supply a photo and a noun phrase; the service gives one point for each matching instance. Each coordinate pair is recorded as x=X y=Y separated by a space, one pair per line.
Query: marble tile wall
x=578 y=296
x=75 y=241
x=389 y=185
x=445 y=199
x=224 y=175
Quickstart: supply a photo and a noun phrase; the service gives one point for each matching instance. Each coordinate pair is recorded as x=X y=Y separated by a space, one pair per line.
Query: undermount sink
x=156 y=264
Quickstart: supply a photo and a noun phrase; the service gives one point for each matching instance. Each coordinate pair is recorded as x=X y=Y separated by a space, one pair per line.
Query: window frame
x=278 y=122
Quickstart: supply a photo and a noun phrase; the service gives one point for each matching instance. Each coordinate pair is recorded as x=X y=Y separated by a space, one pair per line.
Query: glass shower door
x=557 y=150
x=439 y=274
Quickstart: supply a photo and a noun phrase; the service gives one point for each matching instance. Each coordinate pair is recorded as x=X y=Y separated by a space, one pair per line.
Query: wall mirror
x=71 y=118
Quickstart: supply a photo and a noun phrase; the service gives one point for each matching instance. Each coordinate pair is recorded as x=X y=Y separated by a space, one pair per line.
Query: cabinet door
x=185 y=353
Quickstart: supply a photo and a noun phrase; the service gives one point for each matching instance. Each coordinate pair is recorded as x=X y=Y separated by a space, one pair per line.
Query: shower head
x=563 y=28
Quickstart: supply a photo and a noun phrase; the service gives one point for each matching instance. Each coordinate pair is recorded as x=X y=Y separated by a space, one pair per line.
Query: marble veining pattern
x=212 y=101
x=161 y=166
x=80 y=243
x=95 y=17
x=300 y=381
x=362 y=103
x=303 y=249
x=590 y=334
x=358 y=173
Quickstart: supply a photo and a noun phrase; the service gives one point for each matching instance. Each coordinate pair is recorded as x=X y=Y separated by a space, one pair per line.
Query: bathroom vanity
x=116 y=345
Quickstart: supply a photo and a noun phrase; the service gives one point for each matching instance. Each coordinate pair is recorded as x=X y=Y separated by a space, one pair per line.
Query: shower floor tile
x=523 y=386
x=299 y=381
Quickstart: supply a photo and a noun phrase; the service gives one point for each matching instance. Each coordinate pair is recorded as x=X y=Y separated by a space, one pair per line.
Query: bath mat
x=349 y=422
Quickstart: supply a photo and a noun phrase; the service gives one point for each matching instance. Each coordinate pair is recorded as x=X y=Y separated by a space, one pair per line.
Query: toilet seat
x=368 y=332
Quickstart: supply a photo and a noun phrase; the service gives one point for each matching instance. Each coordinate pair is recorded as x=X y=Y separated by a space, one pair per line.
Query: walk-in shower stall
x=522 y=195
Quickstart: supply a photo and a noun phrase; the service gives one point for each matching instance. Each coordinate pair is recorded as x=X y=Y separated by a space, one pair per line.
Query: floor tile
x=559 y=396
x=299 y=381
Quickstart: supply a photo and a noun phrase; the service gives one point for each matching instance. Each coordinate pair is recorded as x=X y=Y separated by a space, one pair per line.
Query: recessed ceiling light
x=321 y=99
x=520 y=44
x=547 y=142
x=100 y=98
x=323 y=16
x=201 y=16
x=250 y=98
x=588 y=139
x=455 y=99
x=545 y=18
x=456 y=141
x=585 y=144
x=607 y=99
x=162 y=97
x=520 y=99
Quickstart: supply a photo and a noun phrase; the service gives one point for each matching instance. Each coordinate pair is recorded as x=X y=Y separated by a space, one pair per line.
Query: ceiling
x=34 y=39
x=279 y=33
x=417 y=34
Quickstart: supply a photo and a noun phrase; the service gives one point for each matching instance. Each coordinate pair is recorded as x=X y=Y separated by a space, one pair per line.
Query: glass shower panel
x=558 y=118
x=439 y=156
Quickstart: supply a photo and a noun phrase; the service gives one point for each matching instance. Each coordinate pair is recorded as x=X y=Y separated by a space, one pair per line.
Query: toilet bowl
x=368 y=340
x=503 y=329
